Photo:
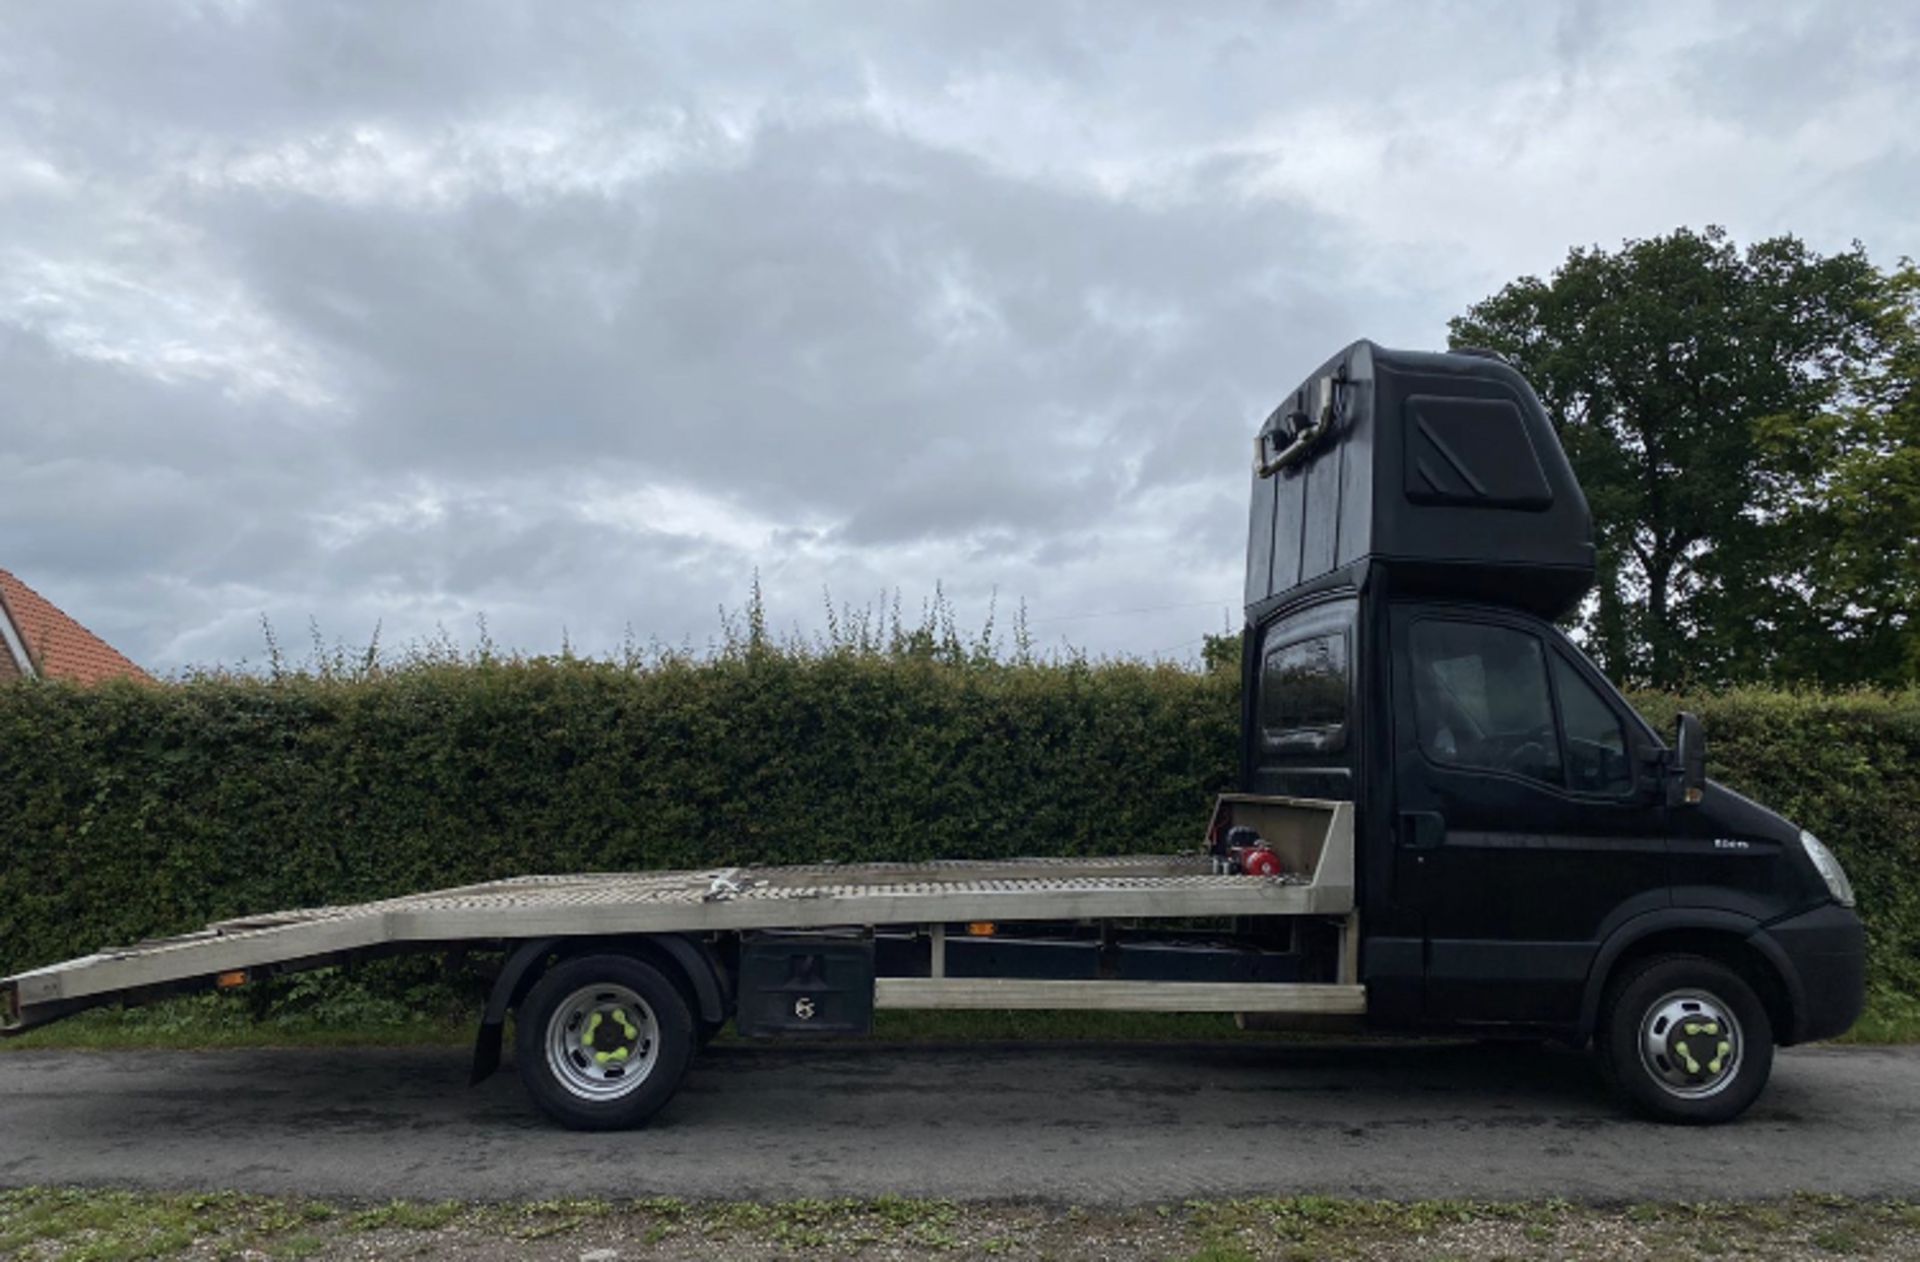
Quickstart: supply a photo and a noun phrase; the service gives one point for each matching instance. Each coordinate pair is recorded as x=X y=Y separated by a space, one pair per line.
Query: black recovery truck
x=1448 y=821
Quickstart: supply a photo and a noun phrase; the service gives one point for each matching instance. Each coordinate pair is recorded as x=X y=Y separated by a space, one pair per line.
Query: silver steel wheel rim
x=602 y=1042
x=1691 y=1044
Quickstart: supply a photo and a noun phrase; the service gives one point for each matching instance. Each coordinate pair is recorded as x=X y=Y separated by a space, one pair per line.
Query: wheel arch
x=1735 y=940
x=689 y=963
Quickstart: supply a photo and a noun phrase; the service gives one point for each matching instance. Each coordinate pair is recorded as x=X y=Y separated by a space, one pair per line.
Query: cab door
x=1524 y=827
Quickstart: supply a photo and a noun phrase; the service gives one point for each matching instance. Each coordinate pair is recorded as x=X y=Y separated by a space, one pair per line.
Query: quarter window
x=1303 y=696
x=1480 y=698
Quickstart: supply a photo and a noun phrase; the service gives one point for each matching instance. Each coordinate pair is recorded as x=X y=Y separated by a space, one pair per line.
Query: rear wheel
x=1685 y=1039
x=603 y=1042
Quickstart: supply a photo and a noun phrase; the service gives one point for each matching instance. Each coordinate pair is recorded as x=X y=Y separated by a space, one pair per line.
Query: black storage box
x=805 y=983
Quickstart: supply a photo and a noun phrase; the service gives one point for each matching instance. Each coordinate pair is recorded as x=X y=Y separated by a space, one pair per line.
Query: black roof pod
x=1443 y=467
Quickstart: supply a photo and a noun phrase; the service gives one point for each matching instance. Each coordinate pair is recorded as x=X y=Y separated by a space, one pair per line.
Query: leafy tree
x=1220 y=654
x=1705 y=397
x=1845 y=601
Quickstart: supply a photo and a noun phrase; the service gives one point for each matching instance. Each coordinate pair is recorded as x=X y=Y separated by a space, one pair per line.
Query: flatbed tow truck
x=1449 y=822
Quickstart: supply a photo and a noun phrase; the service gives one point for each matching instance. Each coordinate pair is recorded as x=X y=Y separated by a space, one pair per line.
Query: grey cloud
x=578 y=315
x=1777 y=69
x=775 y=327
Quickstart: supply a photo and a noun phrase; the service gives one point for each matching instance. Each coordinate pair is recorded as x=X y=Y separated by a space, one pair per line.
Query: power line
x=1119 y=613
x=1198 y=639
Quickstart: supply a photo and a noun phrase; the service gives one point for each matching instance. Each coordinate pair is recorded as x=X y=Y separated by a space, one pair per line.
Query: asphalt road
x=1089 y=1124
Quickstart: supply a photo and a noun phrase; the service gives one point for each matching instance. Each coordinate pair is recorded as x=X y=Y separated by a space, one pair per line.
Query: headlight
x=1830 y=870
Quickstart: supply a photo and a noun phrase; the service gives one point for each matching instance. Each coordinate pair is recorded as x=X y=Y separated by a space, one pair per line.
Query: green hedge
x=128 y=811
x=1847 y=767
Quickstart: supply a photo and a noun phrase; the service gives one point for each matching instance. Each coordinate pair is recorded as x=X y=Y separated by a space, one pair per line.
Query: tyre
x=1685 y=1039
x=602 y=1042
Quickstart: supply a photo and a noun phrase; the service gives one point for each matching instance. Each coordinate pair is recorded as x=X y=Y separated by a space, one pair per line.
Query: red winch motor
x=1244 y=852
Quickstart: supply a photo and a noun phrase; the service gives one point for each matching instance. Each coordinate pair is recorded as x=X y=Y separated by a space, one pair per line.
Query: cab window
x=1481 y=699
x=1596 y=743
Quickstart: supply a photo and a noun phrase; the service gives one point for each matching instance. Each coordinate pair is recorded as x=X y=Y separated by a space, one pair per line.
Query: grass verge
x=107 y=1226
x=1891 y=1017
x=219 y=1021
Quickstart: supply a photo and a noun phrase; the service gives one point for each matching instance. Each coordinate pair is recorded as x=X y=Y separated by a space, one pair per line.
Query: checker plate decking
x=717 y=899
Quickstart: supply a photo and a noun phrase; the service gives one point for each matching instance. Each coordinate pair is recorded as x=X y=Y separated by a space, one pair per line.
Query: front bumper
x=1826 y=948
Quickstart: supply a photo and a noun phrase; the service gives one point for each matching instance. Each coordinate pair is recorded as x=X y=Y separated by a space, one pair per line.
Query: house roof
x=57 y=646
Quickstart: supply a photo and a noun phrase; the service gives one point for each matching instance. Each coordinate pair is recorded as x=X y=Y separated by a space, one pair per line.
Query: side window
x=1480 y=698
x=1303 y=695
x=1596 y=743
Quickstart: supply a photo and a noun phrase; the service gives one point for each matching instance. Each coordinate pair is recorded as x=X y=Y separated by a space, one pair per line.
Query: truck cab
x=1533 y=859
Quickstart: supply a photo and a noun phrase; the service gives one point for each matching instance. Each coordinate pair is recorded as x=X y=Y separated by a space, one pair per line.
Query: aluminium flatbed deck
x=724 y=900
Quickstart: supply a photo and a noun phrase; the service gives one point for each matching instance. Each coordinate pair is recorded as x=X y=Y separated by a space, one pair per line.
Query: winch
x=1241 y=851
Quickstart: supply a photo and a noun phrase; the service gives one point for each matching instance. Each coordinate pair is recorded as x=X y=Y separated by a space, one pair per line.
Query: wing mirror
x=1687 y=774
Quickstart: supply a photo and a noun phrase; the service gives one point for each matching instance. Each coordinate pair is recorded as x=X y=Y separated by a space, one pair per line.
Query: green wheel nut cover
x=627 y=1028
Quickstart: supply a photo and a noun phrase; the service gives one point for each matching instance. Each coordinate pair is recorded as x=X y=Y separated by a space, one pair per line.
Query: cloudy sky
x=574 y=315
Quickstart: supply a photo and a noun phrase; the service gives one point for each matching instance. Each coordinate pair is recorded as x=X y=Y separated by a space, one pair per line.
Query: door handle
x=1422 y=830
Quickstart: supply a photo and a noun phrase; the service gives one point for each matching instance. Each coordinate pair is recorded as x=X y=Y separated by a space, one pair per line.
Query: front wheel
x=602 y=1042
x=1685 y=1039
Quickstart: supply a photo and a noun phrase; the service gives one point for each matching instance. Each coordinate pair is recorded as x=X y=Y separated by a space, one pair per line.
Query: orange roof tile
x=60 y=647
